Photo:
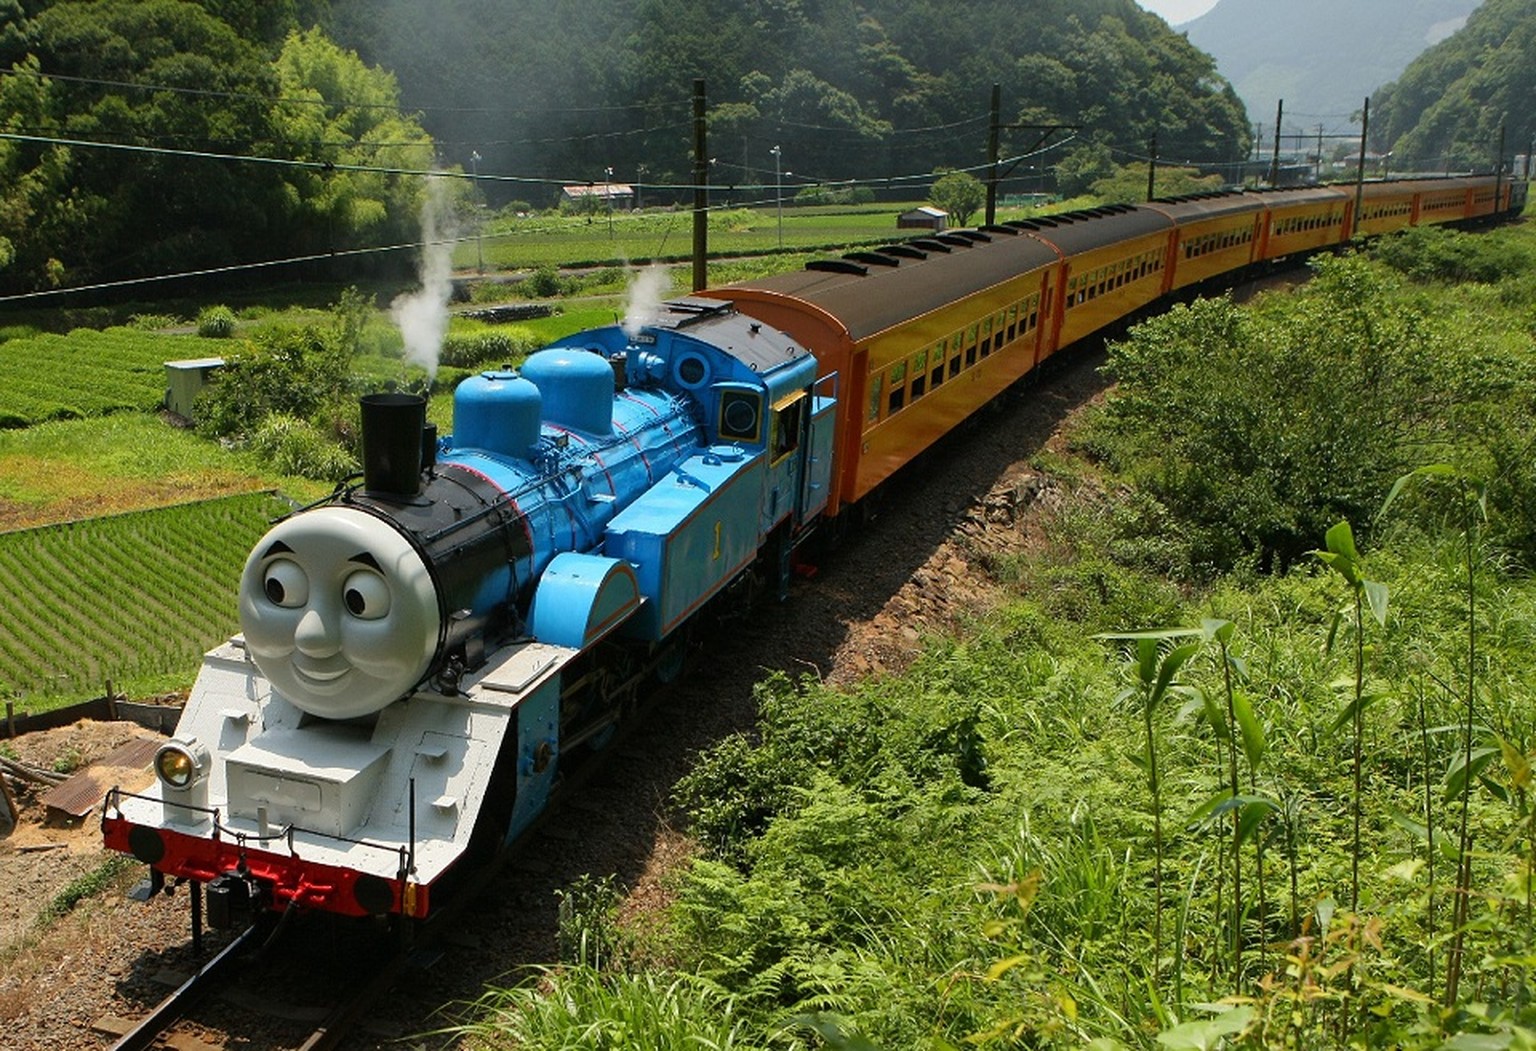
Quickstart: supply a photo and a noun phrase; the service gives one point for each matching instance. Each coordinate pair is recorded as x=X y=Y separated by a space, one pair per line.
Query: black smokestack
x=392 y=442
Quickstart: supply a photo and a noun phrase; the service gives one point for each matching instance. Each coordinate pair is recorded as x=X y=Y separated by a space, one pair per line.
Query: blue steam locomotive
x=418 y=651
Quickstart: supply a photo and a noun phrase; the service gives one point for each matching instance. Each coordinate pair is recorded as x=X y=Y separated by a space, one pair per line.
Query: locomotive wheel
x=670 y=659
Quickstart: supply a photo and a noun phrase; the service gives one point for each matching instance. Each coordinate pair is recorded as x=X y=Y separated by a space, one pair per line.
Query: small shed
x=925 y=218
x=616 y=195
x=184 y=380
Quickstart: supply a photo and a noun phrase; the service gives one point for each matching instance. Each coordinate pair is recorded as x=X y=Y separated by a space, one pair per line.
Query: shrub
x=496 y=347
x=544 y=282
x=9 y=332
x=1434 y=253
x=155 y=322
x=1343 y=389
x=813 y=195
x=292 y=373
x=292 y=446
x=216 y=322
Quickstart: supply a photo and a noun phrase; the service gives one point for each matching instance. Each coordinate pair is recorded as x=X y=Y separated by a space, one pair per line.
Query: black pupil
x=355 y=602
x=275 y=589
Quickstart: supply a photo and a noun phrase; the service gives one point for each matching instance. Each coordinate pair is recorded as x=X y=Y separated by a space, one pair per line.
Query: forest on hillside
x=849 y=90
x=1452 y=104
x=162 y=136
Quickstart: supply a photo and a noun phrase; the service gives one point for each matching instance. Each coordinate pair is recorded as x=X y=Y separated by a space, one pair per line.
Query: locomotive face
x=339 y=612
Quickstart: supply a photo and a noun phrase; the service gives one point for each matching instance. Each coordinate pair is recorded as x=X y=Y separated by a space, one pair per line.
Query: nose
x=316 y=635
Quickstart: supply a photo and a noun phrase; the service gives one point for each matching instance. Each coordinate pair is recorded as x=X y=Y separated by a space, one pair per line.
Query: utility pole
x=1319 y=176
x=1152 y=167
x=1498 y=172
x=1274 y=164
x=993 y=177
x=474 y=167
x=700 y=189
x=992 y=148
x=778 y=184
x=1365 y=128
x=608 y=193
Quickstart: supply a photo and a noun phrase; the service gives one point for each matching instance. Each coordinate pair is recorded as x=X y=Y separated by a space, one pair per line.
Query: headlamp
x=181 y=763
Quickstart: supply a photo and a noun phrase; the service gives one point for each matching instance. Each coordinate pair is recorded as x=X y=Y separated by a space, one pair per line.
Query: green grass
x=81 y=468
x=89 y=373
x=136 y=598
x=556 y=240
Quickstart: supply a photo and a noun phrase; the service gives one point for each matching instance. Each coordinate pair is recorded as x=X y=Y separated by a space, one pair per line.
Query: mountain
x=1323 y=57
x=1454 y=104
x=861 y=90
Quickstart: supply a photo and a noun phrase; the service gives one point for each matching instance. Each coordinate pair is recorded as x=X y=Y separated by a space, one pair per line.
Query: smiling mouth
x=322 y=675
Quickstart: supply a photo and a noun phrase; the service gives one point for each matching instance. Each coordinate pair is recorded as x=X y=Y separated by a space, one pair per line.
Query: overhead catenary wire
x=454 y=173
x=761 y=189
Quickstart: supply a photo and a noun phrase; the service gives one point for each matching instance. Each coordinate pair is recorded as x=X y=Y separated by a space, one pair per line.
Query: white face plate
x=339 y=612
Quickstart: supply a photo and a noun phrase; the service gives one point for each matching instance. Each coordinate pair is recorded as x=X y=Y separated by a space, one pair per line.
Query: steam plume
x=644 y=301
x=422 y=316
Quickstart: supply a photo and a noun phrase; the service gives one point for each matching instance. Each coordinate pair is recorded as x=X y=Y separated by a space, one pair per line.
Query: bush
x=494 y=347
x=289 y=373
x=292 y=446
x=1434 y=253
x=1343 y=388
x=155 y=322
x=544 y=282
x=813 y=195
x=216 y=322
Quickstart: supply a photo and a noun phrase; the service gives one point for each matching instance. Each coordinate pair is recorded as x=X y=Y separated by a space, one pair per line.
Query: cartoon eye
x=366 y=595
x=285 y=584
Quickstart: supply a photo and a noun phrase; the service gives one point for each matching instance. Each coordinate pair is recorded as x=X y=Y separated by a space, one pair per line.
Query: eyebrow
x=366 y=559
x=277 y=548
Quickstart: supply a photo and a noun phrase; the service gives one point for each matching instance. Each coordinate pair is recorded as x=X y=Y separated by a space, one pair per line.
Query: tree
x=161 y=84
x=1128 y=184
x=1446 y=110
x=150 y=77
x=337 y=111
x=959 y=194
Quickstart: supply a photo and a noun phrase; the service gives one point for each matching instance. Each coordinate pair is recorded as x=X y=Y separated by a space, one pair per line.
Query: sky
x=1176 y=11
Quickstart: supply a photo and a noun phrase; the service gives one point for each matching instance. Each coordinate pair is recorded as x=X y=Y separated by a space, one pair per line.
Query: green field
x=562 y=240
x=136 y=598
x=89 y=373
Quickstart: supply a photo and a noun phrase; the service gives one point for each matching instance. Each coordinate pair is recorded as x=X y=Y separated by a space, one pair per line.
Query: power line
x=330 y=166
x=325 y=166
x=232 y=268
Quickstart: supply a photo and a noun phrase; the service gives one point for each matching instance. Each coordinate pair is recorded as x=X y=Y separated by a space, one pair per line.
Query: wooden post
x=10 y=816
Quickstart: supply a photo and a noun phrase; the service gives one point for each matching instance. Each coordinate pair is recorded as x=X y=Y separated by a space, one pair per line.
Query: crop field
x=136 y=598
x=554 y=240
x=89 y=373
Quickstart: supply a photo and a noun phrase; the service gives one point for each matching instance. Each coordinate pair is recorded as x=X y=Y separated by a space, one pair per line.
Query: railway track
x=235 y=978
x=171 y=1023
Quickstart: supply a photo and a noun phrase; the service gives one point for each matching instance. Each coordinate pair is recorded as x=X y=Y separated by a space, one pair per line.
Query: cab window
x=788 y=421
